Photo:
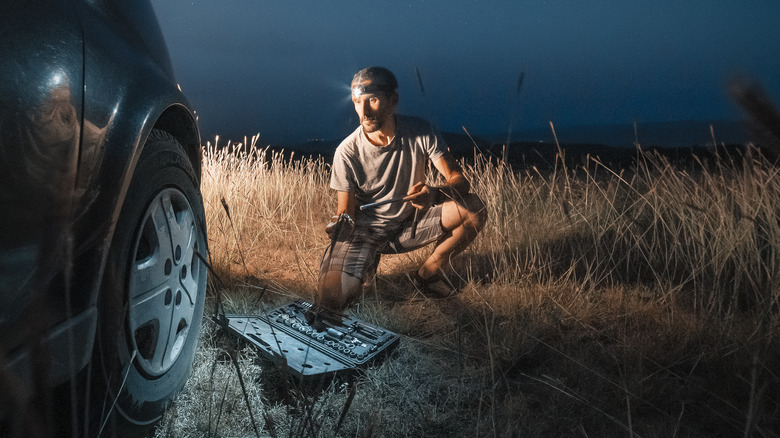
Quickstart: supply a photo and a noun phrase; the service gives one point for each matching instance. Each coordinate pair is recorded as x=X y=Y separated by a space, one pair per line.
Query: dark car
x=102 y=228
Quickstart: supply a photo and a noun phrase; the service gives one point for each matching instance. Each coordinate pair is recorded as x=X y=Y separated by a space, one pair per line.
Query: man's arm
x=455 y=184
x=346 y=203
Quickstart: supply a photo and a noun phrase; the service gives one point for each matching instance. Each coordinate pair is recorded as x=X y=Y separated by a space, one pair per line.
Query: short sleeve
x=342 y=178
x=435 y=145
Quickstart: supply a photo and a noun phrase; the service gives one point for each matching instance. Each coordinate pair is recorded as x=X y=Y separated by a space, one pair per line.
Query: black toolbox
x=335 y=344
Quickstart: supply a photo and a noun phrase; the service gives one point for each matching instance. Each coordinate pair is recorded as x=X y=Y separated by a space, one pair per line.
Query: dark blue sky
x=282 y=68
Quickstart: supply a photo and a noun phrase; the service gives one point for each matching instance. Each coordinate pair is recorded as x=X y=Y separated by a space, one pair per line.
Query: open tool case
x=337 y=345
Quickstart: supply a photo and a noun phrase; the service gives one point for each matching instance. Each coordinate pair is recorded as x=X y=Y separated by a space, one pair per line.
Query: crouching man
x=385 y=158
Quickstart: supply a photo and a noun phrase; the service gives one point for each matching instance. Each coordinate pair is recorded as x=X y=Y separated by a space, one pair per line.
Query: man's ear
x=394 y=98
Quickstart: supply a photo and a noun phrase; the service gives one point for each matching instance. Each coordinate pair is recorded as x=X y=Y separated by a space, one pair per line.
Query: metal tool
x=386 y=201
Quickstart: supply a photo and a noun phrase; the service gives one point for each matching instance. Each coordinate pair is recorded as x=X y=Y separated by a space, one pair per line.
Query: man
x=385 y=159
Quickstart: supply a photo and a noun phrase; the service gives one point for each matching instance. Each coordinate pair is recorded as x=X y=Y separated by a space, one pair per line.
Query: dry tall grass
x=265 y=211
x=596 y=302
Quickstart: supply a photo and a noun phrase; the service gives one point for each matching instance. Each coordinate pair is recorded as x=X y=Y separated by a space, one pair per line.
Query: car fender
x=117 y=121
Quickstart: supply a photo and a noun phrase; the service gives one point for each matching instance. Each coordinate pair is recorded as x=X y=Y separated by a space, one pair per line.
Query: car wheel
x=155 y=284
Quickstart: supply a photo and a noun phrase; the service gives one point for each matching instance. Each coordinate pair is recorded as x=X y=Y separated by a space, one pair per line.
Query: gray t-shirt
x=378 y=173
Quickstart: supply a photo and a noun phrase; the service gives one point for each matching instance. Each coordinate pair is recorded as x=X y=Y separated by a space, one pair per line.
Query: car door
x=41 y=94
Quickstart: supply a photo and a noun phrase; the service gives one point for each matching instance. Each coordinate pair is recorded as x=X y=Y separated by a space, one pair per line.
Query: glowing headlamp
x=368 y=88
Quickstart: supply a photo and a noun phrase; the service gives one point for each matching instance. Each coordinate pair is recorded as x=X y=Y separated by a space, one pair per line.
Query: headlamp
x=368 y=88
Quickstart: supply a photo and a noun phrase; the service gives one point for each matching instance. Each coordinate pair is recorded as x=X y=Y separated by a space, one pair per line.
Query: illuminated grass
x=595 y=303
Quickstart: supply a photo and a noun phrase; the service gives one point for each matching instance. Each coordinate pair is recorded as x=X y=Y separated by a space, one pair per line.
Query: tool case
x=338 y=344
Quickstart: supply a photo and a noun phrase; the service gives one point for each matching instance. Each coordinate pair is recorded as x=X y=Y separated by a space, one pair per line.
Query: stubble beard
x=371 y=125
x=375 y=123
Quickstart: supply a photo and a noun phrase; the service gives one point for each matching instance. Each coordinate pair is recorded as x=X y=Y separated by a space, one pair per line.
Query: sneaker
x=435 y=286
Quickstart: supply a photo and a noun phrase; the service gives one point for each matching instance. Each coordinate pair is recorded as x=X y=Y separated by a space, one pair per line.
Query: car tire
x=153 y=292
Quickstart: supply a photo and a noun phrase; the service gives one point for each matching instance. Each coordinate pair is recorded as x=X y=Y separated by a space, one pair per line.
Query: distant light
x=57 y=79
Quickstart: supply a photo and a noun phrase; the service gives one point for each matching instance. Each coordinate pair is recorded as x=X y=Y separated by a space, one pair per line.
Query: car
x=103 y=243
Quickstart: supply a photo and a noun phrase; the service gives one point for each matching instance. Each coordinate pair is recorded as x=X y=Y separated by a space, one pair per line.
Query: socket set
x=337 y=345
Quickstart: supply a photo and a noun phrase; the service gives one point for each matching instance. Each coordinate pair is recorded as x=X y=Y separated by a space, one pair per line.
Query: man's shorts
x=357 y=251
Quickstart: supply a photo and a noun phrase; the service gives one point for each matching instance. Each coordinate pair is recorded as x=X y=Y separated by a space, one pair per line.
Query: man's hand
x=332 y=225
x=422 y=196
x=334 y=222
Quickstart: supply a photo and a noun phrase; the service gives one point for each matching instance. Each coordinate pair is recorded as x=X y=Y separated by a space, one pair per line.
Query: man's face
x=374 y=109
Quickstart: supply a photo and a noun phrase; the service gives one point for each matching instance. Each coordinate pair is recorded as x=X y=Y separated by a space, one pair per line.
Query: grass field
x=597 y=302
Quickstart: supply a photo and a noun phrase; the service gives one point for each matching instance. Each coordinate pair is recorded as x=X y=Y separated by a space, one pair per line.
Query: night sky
x=282 y=68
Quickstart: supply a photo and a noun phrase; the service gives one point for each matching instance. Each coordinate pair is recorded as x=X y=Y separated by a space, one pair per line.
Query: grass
x=596 y=302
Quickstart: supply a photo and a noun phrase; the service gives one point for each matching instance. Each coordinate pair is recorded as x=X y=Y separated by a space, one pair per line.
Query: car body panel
x=110 y=82
x=41 y=102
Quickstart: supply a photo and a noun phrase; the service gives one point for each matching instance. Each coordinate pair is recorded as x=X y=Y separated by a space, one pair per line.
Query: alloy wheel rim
x=163 y=281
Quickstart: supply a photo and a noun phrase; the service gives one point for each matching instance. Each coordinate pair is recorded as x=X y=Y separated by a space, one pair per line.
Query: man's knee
x=477 y=210
x=336 y=290
x=468 y=211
